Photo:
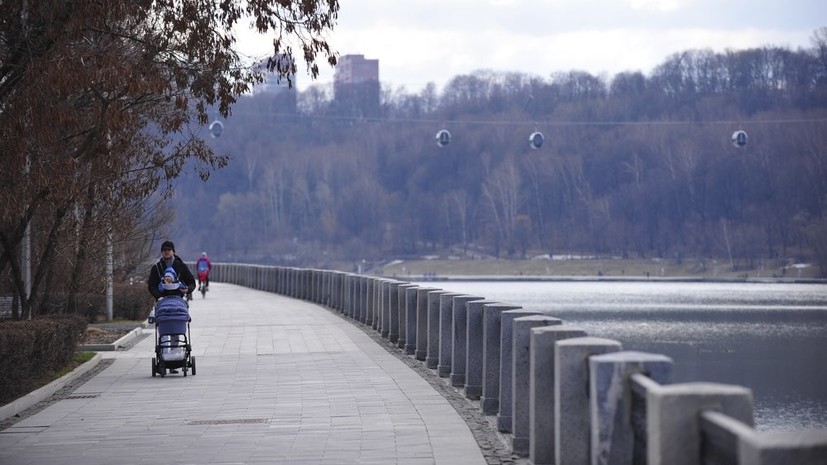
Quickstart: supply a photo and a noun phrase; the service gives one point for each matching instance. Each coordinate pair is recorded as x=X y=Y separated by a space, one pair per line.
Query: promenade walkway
x=279 y=381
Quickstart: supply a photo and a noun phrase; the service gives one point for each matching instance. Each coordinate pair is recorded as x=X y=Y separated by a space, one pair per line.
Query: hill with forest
x=637 y=166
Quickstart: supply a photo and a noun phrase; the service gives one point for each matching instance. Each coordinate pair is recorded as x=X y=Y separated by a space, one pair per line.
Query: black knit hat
x=168 y=245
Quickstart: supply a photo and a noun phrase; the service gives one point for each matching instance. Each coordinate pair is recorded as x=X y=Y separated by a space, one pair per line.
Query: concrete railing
x=560 y=396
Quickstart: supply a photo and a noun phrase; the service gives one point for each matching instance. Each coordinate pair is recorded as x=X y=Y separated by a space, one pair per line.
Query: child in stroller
x=172 y=331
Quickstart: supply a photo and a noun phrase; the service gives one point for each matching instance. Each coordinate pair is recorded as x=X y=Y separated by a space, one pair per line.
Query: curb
x=13 y=408
x=122 y=342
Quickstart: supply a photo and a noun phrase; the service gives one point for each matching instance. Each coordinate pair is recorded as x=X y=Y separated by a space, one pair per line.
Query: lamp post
x=26 y=254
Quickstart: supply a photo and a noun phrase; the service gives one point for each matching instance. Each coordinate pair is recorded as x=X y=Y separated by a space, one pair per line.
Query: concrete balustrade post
x=491 y=326
x=356 y=297
x=393 y=311
x=295 y=276
x=344 y=283
x=610 y=390
x=315 y=286
x=458 y=340
x=411 y=313
x=521 y=377
x=541 y=447
x=282 y=281
x=355 y=287
x=571 y=396
x=473 y=349
x=504 y=416
x=422 y=322
x=370 y=283
x=379 y=293
x=379 y=302
x=673 y=416
x=337 y=289
x=363 y=299
x=319 y=287
x=374 y=303
x=432 y=348
x=347 y=294
x=324 y=288
x=362 y=313
x=309 y=285
x=446 y=304
x=434 y=306
x=403 y=312
x=384 y=308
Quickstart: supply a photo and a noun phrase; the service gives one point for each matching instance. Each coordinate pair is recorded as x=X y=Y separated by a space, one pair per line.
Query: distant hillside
x=635 y=166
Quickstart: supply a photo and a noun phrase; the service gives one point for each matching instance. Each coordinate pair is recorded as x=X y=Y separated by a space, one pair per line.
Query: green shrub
x=34 y=348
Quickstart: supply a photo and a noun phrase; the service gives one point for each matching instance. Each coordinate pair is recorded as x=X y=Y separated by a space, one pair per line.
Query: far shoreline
x=669 y=279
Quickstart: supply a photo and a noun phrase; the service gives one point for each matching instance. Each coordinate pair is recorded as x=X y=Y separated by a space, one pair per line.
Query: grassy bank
x=594 y=267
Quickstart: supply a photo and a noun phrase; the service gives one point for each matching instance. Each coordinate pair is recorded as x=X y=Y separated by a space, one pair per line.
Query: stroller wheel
x=192 y=365
x=154 y=367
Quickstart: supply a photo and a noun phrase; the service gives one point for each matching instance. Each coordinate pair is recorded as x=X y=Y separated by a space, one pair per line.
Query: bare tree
x=101 y=94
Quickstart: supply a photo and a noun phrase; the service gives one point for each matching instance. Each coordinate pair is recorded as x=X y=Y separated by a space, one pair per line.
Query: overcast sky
x=422 y=41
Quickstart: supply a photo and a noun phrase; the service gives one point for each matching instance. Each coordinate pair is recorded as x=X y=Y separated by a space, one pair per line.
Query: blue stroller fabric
x=171 y=315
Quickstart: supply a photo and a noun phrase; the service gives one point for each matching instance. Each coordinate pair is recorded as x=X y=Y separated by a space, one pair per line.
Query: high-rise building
x=356 y=86
x=276 y=86
x=356 y=69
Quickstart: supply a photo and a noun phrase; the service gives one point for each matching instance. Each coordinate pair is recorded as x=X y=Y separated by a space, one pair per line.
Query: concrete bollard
x=375 y=296
x=422 y=322
x=432 y=347
x=355 y=295
x=541 y=447
x=445 y=342
x=504 y=416
x=571 y=396
x=473 y=349
x=612 y=431
x=673 y=416
x=368 y=299
x=402 y=318
x=491 y=325
x=458 y=341
x=363 y=300
x=409 y=341
x=384 y=308
x=393 y=317
x=521 y=376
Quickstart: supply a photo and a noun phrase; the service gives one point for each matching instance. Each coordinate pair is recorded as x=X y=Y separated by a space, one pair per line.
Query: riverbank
x=579 y=269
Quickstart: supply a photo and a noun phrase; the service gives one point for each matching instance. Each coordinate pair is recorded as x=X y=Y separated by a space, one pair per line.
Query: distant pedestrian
x=203 y=267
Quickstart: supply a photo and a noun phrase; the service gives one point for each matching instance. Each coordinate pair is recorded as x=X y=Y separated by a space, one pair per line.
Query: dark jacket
x=156 y=273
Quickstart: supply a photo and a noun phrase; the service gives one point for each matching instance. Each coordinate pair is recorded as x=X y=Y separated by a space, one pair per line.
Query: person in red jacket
x=202 y=269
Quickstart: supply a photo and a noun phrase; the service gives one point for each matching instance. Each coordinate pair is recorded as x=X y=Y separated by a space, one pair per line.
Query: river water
x=769 y=337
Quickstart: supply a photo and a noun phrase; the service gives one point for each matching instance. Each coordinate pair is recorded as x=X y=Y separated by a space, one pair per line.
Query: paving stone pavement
x=279 y=381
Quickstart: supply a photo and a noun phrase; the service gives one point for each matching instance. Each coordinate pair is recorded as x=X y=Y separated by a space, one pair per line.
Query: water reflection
x=769 y=337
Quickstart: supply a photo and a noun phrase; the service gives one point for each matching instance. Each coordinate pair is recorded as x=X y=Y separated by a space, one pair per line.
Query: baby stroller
x=172 y=337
